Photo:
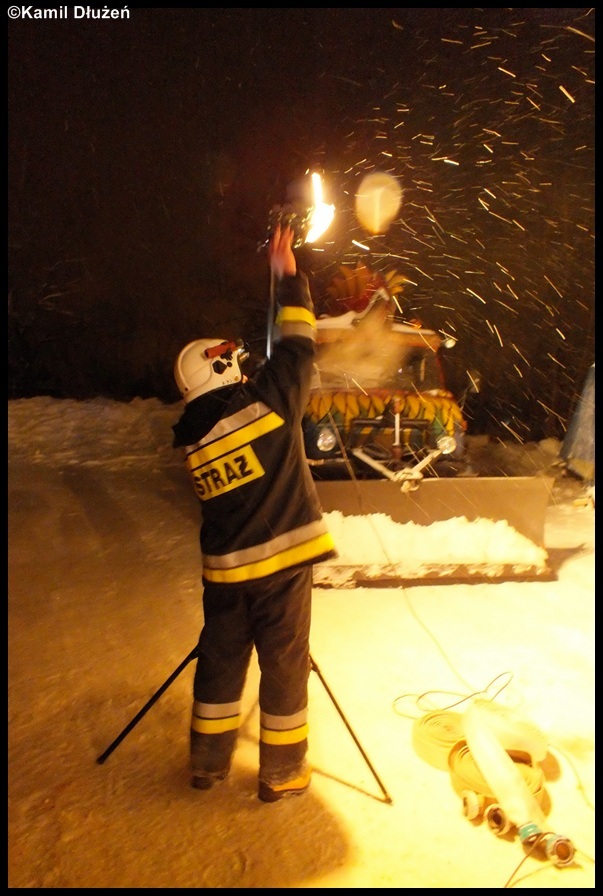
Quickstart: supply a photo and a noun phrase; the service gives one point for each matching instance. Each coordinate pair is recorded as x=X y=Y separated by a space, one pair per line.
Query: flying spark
x=555 y=360
x=581 y=33
x=568 y=95
x=548 y=409
x=554 y=287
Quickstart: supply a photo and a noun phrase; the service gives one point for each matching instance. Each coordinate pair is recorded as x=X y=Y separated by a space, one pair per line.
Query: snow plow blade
x=444 y=530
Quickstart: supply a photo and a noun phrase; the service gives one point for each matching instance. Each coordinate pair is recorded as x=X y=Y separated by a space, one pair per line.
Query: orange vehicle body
x=379 y=386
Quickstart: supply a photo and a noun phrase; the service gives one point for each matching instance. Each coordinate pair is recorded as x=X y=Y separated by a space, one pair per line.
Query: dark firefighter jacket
x=244 y=450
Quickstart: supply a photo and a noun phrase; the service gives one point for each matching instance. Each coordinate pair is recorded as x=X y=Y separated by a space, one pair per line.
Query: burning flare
x=321 y=214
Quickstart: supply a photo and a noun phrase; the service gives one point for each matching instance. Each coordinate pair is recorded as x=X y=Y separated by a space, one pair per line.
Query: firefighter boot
x=271 y=793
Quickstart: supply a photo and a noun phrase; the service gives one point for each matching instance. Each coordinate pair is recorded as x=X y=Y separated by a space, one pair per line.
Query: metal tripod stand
x=193 y=655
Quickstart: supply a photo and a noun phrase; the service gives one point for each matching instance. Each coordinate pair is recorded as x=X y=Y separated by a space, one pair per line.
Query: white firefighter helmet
x=208 y=364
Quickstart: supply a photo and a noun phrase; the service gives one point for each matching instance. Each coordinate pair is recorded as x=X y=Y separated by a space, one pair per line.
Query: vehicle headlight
x=326 y=440
x=447 y=444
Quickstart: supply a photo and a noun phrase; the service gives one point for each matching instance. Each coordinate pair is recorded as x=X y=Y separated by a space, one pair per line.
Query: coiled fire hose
x=510 y=748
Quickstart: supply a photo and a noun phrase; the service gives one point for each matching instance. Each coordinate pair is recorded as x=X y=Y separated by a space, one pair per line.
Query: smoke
x=367 y=356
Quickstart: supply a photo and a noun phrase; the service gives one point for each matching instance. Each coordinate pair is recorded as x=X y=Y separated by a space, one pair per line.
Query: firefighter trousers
x=273 y=615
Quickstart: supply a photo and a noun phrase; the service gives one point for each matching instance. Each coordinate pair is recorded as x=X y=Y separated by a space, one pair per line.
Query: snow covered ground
x=104 y=604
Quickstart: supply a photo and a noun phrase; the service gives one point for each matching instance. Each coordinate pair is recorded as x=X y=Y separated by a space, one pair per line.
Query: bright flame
x=321 y=214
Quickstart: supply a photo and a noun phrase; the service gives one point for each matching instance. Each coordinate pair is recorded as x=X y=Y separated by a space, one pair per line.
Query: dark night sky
x=145 y=155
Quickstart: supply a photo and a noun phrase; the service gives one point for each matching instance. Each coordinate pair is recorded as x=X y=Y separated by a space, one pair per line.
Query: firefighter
x=262 y=529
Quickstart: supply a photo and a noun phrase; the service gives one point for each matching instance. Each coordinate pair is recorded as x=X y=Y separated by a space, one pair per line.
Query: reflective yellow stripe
x=266 y=549
x=215 y=726
x=295 y=313
x=292 y=736
x=311 y=549
x=234 y=440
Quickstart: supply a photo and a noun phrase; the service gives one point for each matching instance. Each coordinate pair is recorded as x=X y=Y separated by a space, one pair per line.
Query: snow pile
x=375 y=547
x=95 y=432
x=116 y=436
